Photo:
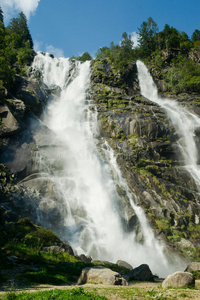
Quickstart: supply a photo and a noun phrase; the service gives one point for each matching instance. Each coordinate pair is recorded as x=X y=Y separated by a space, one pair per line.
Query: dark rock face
x=146 y=145
x=9 y=124
x=144 y=141
x=141 y=273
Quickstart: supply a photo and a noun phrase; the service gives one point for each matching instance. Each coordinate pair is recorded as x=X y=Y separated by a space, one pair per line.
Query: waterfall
x=83 y=177
x=185 y=122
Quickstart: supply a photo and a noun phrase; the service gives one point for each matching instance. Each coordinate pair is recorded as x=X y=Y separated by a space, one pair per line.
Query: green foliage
x=146 y=34
x=195 y=36
x=15 y=47
x=118 y=55
x=76 y=293
x=84 y=57
x=19 y=26
x=1 y=15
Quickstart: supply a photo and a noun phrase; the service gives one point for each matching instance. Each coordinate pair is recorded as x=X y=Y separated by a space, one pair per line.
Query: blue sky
x=72 y=27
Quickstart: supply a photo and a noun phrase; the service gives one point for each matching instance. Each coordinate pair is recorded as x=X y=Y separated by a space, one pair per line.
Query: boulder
x=19 y=107
x=194 y=266
x=56 y=249
x=185 y=244
x=141 y=273
x=179 y=280
x=9 y=124
x=84 y=258
x=17 y=153
x=124 y=264
x=101 y=275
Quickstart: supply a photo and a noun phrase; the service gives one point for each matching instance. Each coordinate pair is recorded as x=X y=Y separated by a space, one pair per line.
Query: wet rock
x=179 y=280
x=16 y=153
x=101 y=275
x=30 y=92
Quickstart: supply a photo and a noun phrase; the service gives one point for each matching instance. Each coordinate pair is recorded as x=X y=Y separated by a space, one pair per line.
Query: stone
x=62 y=248
x=141 y=273
x=19 y=107
x=9 y=124
x=193 y=266
x=17 y=153
x=179 y=280
x=101 y=275
x=124 y=264
x=84 y=258
x=185 y=244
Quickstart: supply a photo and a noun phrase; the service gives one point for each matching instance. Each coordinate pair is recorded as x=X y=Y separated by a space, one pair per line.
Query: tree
x=19 y=26
x=84 y=57
x=126 y=44
x=1 y=15
x=195 y=36
x=102 y=53
x=146 y=34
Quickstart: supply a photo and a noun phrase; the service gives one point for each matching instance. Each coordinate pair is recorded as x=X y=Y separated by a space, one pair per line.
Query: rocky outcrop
x=179 y=280
x=101 y=275
x=9 y=124
x=146 y=146
x=57 y=249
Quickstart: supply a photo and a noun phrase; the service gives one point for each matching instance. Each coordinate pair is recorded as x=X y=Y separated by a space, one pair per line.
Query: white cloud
x=57 y=52
x=10 y=7
x=134 y=38
x=37 y=45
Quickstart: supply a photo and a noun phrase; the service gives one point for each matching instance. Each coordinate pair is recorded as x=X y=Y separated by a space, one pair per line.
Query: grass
x=77 y=293
x=102 y=293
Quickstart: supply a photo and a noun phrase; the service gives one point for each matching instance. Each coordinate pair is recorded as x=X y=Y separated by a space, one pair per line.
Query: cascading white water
x=184 y=121
x=82 y=176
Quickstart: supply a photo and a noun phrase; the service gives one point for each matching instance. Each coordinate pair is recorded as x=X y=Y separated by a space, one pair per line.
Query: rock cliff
x=145 y=143
x=139 y=131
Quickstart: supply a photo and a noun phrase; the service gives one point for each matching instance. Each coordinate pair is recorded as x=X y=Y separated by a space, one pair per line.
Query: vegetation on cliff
x=170 y=53
x=16 y=49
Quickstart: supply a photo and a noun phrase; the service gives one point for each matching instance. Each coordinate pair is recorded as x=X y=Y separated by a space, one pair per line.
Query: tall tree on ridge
x=19 y=25
x=1 y=15
x=146 y=34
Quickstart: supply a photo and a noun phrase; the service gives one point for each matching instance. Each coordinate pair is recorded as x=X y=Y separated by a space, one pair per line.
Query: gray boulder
x=179 y=280
x=101 y=275
x=124 y=264
x=194 y=266
x=141 y=273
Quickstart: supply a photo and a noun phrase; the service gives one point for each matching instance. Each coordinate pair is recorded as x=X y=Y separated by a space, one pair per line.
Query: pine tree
x=196 y=35
x=1 y=15
x=146 y=34
x=19 y=26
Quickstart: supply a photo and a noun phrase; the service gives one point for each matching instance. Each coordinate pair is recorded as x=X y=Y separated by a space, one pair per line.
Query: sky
x=72 y=27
